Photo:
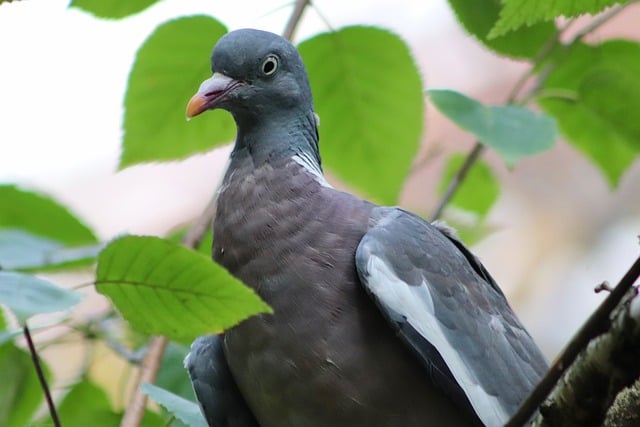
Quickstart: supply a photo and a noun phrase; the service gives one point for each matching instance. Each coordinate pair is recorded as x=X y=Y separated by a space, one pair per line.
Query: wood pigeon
x=380 y=318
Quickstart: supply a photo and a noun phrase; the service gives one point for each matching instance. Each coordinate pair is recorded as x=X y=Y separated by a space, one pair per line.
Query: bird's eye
x=270 y=65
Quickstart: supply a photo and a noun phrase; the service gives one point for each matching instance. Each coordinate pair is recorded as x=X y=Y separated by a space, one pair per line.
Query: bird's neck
x=293 y=134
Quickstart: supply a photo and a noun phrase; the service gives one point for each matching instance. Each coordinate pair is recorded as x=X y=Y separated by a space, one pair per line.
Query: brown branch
x=597 y=323
x=457 y=179
x=148 y=371
x=41 y=377
x=296 y=16
x=607 y=365
x=157 y=345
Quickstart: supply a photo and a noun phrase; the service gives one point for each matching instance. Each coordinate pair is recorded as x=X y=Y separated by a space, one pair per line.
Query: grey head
x=259 y=77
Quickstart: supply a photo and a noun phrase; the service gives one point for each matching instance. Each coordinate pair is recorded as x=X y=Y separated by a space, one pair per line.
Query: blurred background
x=556 y=232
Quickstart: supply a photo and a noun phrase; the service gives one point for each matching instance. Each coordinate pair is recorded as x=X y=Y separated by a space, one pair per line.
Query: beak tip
x=197 y=105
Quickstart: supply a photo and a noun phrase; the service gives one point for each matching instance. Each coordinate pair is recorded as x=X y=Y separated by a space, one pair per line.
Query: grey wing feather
x=220 y=400
x=446 y=307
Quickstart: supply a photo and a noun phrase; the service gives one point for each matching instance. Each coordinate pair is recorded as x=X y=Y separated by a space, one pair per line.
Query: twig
x=203 y=224
x=148 y=371
x=605 y=367
x=478 y=148
x=41 y=377
x=598 y=22
x=458 y=178
x=296 y=15
x=595 y=325
x=157 y=345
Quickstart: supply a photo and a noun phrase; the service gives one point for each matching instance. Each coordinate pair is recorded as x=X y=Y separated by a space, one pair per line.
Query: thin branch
x=595 y=325
x=598 y=22
x=296 y=15
x=148 y=371
x=605 y=367
x=455 y=182
x=43 y=381
x=157 y=345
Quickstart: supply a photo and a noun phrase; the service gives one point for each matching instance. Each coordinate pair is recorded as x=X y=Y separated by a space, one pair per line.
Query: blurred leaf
x=206 y=243
x=20 y=393
x=163 y=288
x=469 y=227
x=593 y=92
x=513 y=131
x=26 y=295
x=185 y=410
x=20 y=250
x=368 y=93
x=518 y=13
x=86 y=404
x=168 y=69
x=479 y=16
x=41 y=215
x=478 y=192
x=114 y=9
x=172 y=374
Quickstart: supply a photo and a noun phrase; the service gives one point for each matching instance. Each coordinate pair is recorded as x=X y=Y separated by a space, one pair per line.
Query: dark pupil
x=269 y=66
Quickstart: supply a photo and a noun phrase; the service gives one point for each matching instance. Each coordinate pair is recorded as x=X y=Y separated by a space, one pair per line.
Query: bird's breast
x=326 y=356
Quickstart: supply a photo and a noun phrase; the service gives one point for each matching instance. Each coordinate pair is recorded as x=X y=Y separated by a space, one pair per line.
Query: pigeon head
x=256 y=75
x=260 y=79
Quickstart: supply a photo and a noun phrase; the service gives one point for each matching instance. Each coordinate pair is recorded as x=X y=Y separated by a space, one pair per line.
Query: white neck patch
x=310 y=165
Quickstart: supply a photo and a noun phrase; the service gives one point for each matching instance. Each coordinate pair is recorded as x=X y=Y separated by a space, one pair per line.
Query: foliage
x=369 y=94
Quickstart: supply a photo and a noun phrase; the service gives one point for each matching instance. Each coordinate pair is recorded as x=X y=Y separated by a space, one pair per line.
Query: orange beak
x=211 y=93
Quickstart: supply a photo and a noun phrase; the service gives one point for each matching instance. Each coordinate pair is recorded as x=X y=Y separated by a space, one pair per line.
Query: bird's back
x=326 y=357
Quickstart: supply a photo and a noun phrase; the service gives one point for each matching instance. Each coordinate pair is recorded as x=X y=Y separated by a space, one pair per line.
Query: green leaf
x=479 y=16
x=27 y=295
x=168 y=69
x=20 y=250
x=518 y=13
x=163 y=288
x=205 y=245
x=513 y=131
x=183 y=409
x=41 y=215
x=368 y=93
x=20 y=393
x=478 y=192
x=593 y=91
x=113 y=9
x=86 y=404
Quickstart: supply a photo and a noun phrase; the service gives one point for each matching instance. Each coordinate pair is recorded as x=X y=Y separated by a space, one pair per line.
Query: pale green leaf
x=479 y=190
x=163 y=288
x=479 y=16
x=513 y=131
x=593 y=92
x=20 y=250
x=20 y=390
x=185 y=410
x=368 y=93
x=168 y=70
x=113 y=9
x=26 y=295
x=518 y=13
x=41 y=215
